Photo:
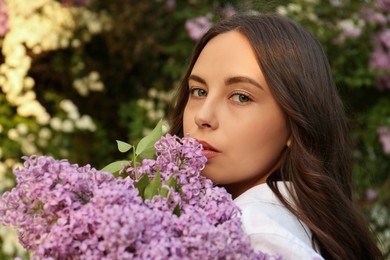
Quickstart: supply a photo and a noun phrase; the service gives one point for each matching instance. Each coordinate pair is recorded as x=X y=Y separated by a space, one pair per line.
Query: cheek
x=187 y=119
x=264 y=140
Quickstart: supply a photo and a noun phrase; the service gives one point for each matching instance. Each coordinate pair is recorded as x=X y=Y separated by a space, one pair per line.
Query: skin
x=231 y=108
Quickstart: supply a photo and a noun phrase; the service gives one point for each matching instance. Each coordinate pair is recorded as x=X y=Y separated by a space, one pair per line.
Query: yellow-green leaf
x=147 y=143
x=123 y=147
x=115 y=166
x=153 y=188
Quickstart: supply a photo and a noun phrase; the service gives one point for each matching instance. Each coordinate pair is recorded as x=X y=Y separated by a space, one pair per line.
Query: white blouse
x=272 y=228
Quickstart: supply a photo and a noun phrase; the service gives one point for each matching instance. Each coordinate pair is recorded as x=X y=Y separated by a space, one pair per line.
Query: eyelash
x=249 y=99
x=192 y=90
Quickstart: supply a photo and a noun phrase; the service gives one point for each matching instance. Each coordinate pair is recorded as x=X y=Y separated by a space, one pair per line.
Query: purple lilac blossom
x=63 y=211
x=4 y=23
x=371 y=194
x=170 y=4
x=384 y=37
x=197 y=27
x=384 y=138
x=228 y=11
x=384 y=5
x=348 y=30
x=382 y=83
x=380 y=59
x=373 y=17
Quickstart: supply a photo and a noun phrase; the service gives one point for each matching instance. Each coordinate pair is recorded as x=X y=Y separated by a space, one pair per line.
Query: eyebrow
x=229 y=81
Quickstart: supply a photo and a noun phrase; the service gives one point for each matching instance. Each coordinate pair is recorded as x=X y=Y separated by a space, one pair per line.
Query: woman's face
x=231 y=111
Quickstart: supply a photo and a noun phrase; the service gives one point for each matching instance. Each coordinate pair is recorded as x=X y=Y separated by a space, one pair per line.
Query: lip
x=208 y=150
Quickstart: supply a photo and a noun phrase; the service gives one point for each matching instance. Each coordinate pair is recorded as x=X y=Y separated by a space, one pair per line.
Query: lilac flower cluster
x=384 y=138
x=4 y=24
x=64 y=211
x=197 y=27
x=380 y=57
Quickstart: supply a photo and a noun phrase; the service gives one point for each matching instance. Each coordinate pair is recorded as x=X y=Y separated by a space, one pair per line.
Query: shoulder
x=271 y=227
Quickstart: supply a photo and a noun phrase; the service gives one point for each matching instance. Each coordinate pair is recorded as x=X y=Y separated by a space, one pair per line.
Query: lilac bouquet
x=157 y=209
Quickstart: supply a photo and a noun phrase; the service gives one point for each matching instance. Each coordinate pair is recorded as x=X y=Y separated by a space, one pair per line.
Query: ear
x=289 y=142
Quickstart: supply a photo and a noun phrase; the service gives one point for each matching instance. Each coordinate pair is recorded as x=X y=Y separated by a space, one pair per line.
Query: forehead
x=230 y=52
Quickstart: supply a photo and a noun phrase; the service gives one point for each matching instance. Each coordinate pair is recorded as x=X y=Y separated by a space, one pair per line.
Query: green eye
x=198 y=92
x=241 y=98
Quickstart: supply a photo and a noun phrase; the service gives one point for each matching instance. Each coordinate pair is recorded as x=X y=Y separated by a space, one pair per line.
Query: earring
x=288 y=143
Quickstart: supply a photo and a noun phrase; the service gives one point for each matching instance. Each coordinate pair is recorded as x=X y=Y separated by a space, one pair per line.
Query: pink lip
x=208 y=150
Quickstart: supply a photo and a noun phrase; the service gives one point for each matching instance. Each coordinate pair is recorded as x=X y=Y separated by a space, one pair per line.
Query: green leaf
x=146 y=145
x=163 y=192
x=123 y=147
x=171 y=182
x=142 y=183
x=153 y=188
x=115 y=166
x=176 y=210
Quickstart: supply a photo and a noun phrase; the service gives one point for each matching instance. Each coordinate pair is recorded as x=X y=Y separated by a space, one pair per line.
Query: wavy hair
x=318 y=161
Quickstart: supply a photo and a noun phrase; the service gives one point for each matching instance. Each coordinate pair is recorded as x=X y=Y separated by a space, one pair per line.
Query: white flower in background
x=28 y=147
x=5 y=183
x=149 y=105
x=165 y=126
x=44 y=136
x=155 y=105
x=9 y=162
x=153 y=93
x=282 y=10
x=141 y=102
x=85 y=123
x=29 y=83
x=10 y=241
x=56 y=123
x=45 y=133
x=89 y=83
x=294 y=8
x=74 y=120
x=81 y=87
x=41 y=26
x=67 y=126
x=76 y=43
x=22 y=128
x=349 y=29
x=96 y=86
x=70 y=108
x=13 y=134
x=3 y=170
x=152 y=115
x=34 y=108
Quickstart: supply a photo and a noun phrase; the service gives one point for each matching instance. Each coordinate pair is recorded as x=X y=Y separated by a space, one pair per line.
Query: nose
x=206 y=116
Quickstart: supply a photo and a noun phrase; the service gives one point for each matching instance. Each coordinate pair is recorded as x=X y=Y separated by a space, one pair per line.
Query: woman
x=259 y=96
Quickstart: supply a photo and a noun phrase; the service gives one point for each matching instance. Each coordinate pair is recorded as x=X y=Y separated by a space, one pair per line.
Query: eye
x=241 y=98
x=198 y=92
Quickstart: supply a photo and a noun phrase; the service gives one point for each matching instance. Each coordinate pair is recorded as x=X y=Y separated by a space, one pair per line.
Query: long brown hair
x=317 y=163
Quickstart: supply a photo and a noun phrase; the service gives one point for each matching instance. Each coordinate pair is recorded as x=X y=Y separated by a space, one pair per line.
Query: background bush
x=76 y=75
